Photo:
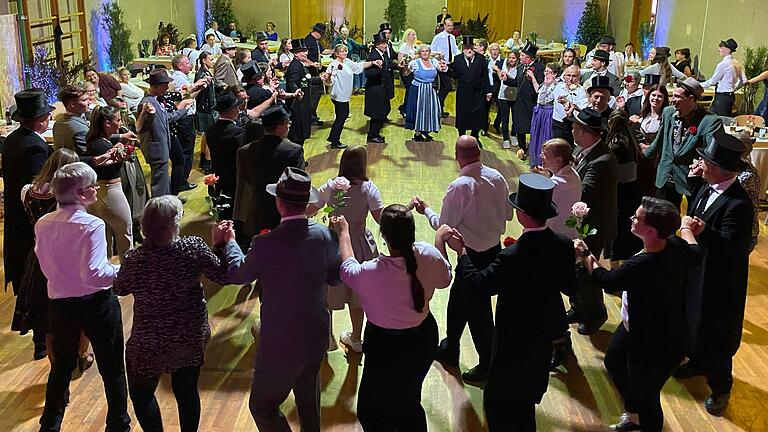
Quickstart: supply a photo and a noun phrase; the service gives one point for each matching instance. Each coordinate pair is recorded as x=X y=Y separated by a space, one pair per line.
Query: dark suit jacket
x=471 y=90
x=528 y=276
x=258 y=164
x=598 y=181
x=313 y=52
x=24 y=154
x=613 y=81
x=155 y=132
x=301 y=110
x=526 y=96
x=294 y=263
x=224 y=138
x=716 y=299
x=260 y=56
x=677 y=163
x=379 y=86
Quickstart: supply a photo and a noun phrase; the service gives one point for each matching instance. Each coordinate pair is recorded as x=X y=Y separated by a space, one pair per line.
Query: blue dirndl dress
x=422 y=111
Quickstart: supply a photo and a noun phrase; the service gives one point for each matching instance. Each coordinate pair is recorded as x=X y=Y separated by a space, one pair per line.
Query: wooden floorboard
x=581 y=399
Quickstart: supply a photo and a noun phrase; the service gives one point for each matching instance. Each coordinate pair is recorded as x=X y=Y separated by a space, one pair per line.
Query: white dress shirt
x=475 y=204
x=71 y=246
x=214 y=50
x=491 y=63
x=132 y=94
x=342 y=80
x=445 y=43
x=577 y=96
x=217 y=34
x=180 y=79
x=383 y=285
x=614 y=66
x=567 y=191
x=655 y=69
x=725 y=76
x=511 y=74
x=718 y=189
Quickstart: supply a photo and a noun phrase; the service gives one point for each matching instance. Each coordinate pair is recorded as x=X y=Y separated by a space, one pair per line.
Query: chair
x=581 y=50
x=743 y=119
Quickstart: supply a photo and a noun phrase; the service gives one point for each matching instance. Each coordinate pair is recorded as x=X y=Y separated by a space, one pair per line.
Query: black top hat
x=250 y=70
x=607 y=40
x=294 y=185
x=589 y=118
x=725 y=151
x=534 y=196
x=274 y=115
x=319 y=27
x=227 y=100
x=600 y=82
x=261 y=37
x=31 y=103
x=379 y=37
x=158 y=76
x=530 y=48
x=651 y=79
x=602 y=55
x=662 y=53
x=298 y=45
x=467 y=40
x=730 y=44
x=385 y=26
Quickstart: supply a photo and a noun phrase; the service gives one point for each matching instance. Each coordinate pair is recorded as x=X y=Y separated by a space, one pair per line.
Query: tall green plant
x=395 y=15
x=478 y=27
x=754 y=63
x=591 y=25
x=113 y=22
x=222 y=13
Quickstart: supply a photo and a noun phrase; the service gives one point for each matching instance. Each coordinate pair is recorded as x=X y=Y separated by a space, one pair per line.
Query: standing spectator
x=475 y=205
x=296 y=81
x=762 y=107
x=361 y=197
x=423 y=105
x=379 y=88
x=720 y=216
x=285 y=52
x=260 y=54
x=526 y=93
x=569 y=95
x=507 y=96
x=631 y=96
x=314 y=49
x=164 y=275
x=473 y=89
x=224 y=68
x=569 y=58
x=395 y=291
x=294 y=310
x=190 y=50
x=541 y=124
x=597 y=169
x=495 y=62
x=71 y=248
x=728 y=76
x=650 y=340
x=444 y=43
x=108 y=86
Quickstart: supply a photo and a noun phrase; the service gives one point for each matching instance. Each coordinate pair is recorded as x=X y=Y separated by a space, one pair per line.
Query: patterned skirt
x=422 y=111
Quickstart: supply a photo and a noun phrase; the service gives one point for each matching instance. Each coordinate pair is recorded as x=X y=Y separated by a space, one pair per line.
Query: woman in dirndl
x=423 y=106
x=541 y=124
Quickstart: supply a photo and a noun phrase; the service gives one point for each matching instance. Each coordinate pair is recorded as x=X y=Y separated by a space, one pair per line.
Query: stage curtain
x=504 y=16
x=10 y=66
x=305 y=13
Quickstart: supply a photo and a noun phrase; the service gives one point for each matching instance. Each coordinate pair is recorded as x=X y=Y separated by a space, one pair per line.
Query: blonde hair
x=407 y=32
x=340 y=47
x=161 y=220
x=559 y=148
x=58 y=159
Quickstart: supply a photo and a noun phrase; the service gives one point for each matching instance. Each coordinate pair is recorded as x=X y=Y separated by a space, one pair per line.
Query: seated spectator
x=190 y=50
x=211 y=46
x=132 y=94
x=108 y=87
x=631 y=57
x=164 y=46
x=270 y=30
x=683 y=61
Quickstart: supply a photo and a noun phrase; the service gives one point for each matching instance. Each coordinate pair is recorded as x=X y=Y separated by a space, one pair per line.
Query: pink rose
x=341 y=183
x=580 y=209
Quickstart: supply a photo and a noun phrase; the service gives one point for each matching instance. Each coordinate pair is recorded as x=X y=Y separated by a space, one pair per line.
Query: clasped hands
x=694 y=224
x=223 y=232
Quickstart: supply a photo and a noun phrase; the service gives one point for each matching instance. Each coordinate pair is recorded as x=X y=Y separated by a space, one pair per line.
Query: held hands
x=186 y=103
x=418 y=204
x=456 y=242
x=339 y=224
x=503 y=76
x=444 y=232
x=299 y=94
x=635 y=118
x=644 y=146
x=696 y=168
x=541 y=170
x=378 y=63
x=223 y=232
x=694 y=224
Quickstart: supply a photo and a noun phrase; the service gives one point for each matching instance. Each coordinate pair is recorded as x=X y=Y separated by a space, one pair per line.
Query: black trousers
x=99 y=317
x=669 y=193
x=341 y=109
x=187 y=134
x=445 y=88
x=474 y=132
x=588 y=301
x=469 y=305
x=562 y=129
x=396 y=363
x=639 y=381
x=521 y=141
x=717 y=367
x=505 y=113
x=722 y=104
x=176 y=156
x=374 y=128
x=184 y=386
x=316 y=86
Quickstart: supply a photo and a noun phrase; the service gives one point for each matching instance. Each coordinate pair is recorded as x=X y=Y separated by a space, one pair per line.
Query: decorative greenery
x=113 y=22
x=42 y=74
x=533 y=37
x=645 y=38
x=395 y=14
x=171 y=30
x=478 y=28
x=221 y=12
x=591 y=25
x=755 y=61
x=71 y=73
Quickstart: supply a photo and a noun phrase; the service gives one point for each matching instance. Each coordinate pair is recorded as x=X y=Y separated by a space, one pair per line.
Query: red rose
x=509 y=241
x=692 y=130
x=341 y=66
x=264 y=231
x=628 y=78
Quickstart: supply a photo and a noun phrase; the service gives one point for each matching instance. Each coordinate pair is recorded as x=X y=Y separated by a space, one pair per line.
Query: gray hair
x=161 y=220
x=70 y=179
x=425 y=46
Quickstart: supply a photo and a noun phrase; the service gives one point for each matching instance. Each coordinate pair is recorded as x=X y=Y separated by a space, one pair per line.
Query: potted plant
x=755 y=62
x=113 y=22
x=395 y=14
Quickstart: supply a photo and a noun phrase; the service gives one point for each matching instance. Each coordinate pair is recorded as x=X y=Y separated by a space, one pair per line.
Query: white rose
x=308 y=76
x=573 y=87
x=341 y=183
x=580 y=209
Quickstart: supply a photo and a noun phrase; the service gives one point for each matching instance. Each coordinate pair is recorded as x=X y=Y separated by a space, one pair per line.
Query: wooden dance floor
x=580 y=398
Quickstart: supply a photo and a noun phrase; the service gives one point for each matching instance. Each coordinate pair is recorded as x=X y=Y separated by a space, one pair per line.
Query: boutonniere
x=509 y=241
x=692 y=130
x=264 y=231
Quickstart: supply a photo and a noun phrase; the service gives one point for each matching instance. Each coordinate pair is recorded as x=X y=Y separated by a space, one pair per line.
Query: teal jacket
x=677 y=163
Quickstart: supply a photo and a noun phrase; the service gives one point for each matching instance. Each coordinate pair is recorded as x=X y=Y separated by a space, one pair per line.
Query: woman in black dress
x=650 y=341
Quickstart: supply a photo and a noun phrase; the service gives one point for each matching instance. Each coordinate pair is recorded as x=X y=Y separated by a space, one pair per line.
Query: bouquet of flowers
x=579 y=211
x=340 y=185
x=123 y=152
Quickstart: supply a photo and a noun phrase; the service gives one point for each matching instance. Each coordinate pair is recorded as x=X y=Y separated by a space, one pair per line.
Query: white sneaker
x=354 y=345
x=506 y=145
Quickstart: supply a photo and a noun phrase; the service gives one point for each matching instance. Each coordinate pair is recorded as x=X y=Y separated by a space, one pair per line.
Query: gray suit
x=225 y=71
x=294 y=262
x=155 y=142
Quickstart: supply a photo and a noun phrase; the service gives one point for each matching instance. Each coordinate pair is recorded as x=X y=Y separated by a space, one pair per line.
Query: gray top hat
x=295 y=186
x=693 y=86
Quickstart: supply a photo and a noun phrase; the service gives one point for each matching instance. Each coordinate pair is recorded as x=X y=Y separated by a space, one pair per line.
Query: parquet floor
x=580 y=399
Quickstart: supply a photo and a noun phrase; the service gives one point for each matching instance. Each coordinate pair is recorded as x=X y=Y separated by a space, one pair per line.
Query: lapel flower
x=264 y=231
x=509 y=241
x=692 y=130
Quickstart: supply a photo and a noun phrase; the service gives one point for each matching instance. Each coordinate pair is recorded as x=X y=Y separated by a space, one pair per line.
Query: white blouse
x=342 y=78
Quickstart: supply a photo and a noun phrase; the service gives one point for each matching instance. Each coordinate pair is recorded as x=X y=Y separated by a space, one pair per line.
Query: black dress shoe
x=377 y=140
x=84 y=363
x=444 y=114
x=716 y=404
x=187 y=186
x=40 y=352
x=572 y=317
x=587 y=329
x=447 y=356
x=559 y=354
x=338 y=145
x=317 y=123
x=688 y=370
x=476 y=376
x=428 y=137
x=419 y=138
